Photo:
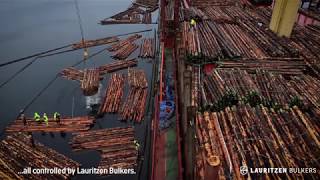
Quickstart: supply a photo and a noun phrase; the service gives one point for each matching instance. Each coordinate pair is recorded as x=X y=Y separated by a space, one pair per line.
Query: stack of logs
x=17 y=153
x=307 y=40
x=116 y=146
x=206 y=3
x=96 y=42
x=120 y=44
x=66 y=124
x=90 y=78
x=129 y=16
x=257 y=137
x=113 y=94
x=124 y=51
x=146 y=19
x=134 y=106
x=147 y=49
x=289 y=66
x=230 y=33
x=242 y=83
x=90 y=81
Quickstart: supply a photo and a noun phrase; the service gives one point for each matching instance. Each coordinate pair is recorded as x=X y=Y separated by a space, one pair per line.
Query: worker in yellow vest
x=45 y=118
x=136 y=144
x=56 y=117
x=37 y=117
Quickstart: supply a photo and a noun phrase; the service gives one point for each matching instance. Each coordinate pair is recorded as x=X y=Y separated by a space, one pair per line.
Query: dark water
x=30 y=26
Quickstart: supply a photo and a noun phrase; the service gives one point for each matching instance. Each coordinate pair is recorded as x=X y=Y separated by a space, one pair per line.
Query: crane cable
x=85 y=53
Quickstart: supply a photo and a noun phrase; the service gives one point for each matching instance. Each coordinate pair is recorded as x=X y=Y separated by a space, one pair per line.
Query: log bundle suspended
x=90 y=81
x=147 y=48
x=120 y=44
x=113 y=94
x=96 y=42
x=257 y=137
x=17 y=153
x=66 y=124
x=116 y=146
x=134 y=106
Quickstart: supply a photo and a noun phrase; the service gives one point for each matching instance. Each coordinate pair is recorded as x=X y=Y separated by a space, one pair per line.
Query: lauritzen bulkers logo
x=244 y=170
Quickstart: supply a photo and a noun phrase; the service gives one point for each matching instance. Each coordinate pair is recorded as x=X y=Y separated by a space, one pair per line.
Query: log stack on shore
x=17 y=153
x=116 y=146
x=134 y=106
x=113 y=95
x=147 y=48
x=257 y=137
x=66 y=124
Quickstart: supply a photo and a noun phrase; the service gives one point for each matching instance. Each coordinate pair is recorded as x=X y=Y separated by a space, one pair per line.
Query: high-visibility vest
x=55 y=115
x=193 y=22
x=36 y=117
x=45 y=118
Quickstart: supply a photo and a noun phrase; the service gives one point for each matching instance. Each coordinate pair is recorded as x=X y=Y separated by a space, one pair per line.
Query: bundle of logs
x=117 y=65
x=113 y=94
x=125 y=51
x=120 y=44
x=65 y=124
x=17 y=154
x=90 y=78
x=206 y=3
x=129 y=16
x=135 y=14
x=134 y=106
x=96 y=42
x=116 y=146
x=90 y=81
x=289 y=66
x=146 y=19
x=257 y=137
x=147 y=48
x=147 y=3
x=137 y=78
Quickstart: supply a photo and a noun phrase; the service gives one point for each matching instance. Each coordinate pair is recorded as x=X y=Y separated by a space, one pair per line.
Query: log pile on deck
x=206 y=3
x=17 y=153
x=307 y=40
x=90 y=78
x=115 y=145
x=288 y=66
x=96 y=42
x=230 y=33
x=125 y=51
x=258 y=137
x=67 y=124
x=147 y=48
x=113 y=94
x=134 y=106
x=120 y=44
